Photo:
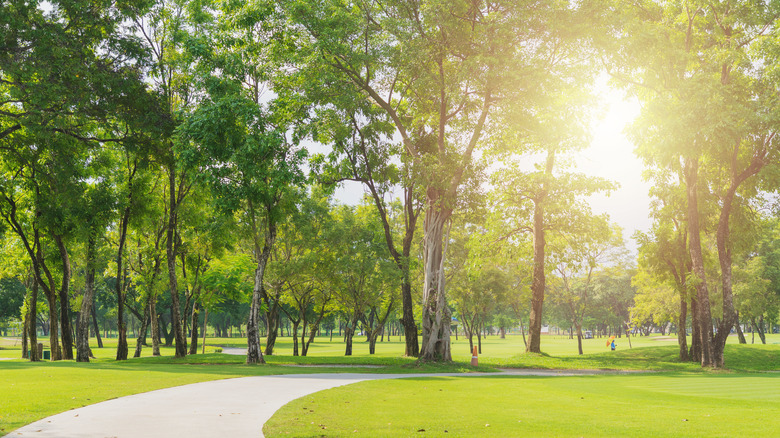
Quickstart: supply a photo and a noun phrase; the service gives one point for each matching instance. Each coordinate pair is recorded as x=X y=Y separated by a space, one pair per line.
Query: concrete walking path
x=231 y=408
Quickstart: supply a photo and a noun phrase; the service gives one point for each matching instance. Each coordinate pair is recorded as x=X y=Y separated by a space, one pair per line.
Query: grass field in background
x=654 y=405
x=30 y=391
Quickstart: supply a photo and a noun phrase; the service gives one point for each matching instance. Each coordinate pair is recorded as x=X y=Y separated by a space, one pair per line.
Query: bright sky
x=610 y=156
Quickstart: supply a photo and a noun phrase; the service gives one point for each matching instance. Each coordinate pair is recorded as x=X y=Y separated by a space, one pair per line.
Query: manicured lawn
x=30 y=391
x=654 y=405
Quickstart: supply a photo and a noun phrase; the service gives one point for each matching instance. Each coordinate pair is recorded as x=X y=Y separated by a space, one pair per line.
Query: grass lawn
x=30 y=391
x=654 y=405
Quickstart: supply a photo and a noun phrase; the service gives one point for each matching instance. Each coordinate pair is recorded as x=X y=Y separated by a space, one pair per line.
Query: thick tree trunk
x=579 y=338
x=436 y=317
x=697 y=260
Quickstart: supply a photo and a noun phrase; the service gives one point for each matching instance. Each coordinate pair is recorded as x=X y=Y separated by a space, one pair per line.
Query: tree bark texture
x=697 y=260
x=95 y=327
x=141 y=340
x=436 y=316
x=682 y=322
x=738 y=328
x=538 y=280
x=121 y=348
x=64 y=292
x=254 y=354
x=170 y=249
x=82 y=327
x=30 y=322
x=272 y=317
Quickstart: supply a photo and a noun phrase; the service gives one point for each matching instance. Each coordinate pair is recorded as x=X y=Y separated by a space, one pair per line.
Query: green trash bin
x=46 y=355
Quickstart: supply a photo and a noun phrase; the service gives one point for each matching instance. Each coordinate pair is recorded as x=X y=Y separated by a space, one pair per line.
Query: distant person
x=613 y=345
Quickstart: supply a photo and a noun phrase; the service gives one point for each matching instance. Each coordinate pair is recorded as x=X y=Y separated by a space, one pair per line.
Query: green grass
x=30 y=391
x=657 y=405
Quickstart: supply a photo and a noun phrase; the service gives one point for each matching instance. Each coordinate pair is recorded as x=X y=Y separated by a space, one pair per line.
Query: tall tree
x=697 y=68
x=437 y=71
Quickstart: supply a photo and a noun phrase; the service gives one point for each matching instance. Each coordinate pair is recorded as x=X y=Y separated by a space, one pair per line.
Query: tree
x=438 y=71
x=697 y=67
x=362 y=274
x=576 y=259
x=99 y=205
x=664 y=253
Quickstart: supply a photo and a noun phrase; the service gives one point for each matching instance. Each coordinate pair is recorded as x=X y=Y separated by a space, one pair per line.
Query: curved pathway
x=232 y=408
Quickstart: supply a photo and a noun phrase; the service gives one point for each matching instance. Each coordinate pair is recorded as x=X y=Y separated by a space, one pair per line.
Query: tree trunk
x=205 y=322
x=155 y=326
x=522 y=331
x=697 y=259
x=194 y=333
x=273 y=318
x=741 y=335
x=436 y=314
x=82 y=332
x=64 y=292
x=412 y=348
x=682 y=322
x=313 y=332
x=579 y=338
x=295 y=336
x=95 y=326
x=30 y=322
x=759 y=327
x=170 y=250
x=254 y=354
x=121 y=348
x=56 y=352
x=373 y=335
x=347 y=341
x=141 y=340
x=538 y=279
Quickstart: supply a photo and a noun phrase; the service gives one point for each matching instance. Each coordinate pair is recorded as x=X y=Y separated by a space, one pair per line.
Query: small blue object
x=613 y=345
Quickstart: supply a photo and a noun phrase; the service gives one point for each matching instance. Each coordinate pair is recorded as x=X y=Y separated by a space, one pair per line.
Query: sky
x=609 y=156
